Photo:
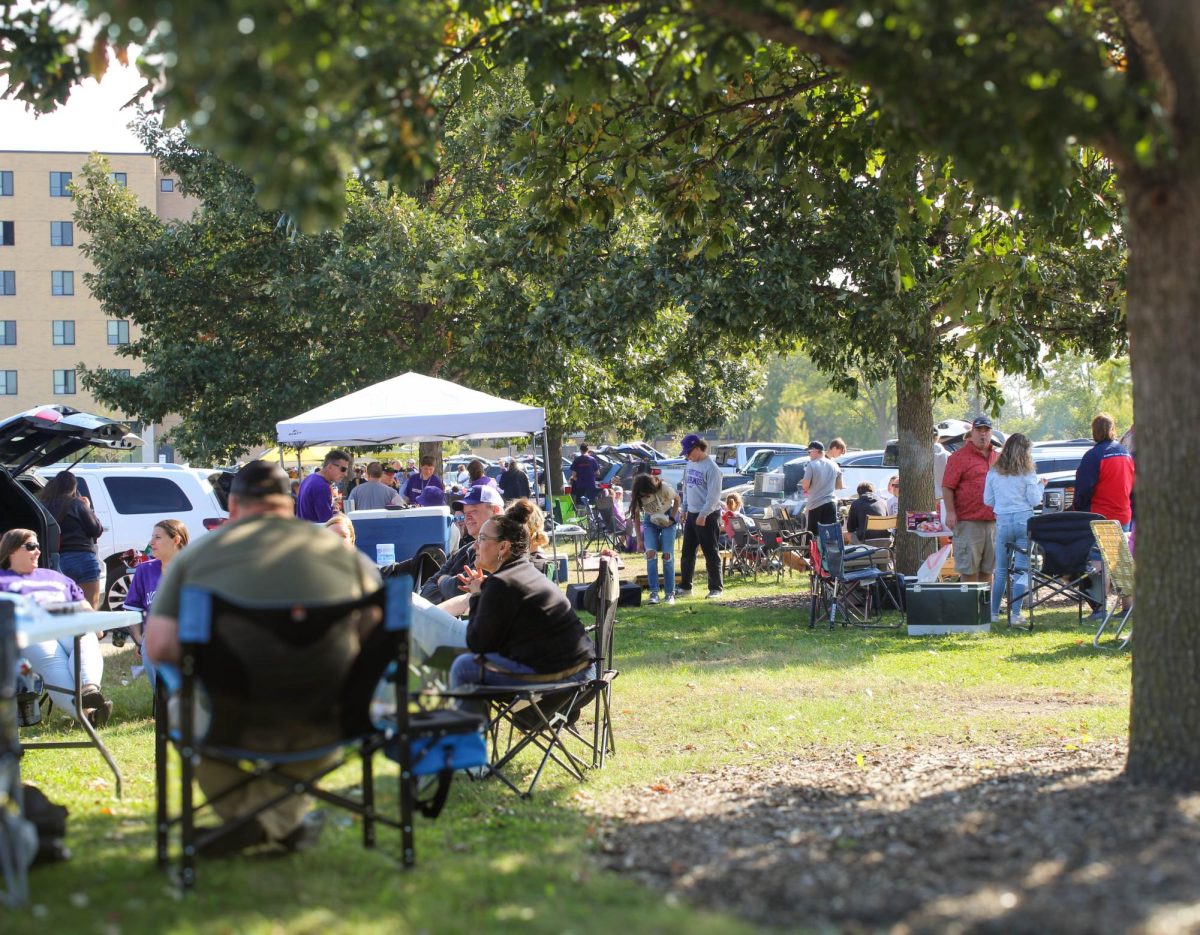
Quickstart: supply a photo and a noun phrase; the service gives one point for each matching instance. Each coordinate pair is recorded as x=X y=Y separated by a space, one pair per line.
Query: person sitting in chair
x=522 y=627
x=868 y=503
x=265 y=555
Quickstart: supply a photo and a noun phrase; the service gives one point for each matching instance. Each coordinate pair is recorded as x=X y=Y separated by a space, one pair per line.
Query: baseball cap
x=981 y=422
x=389 y=470
x=431 y=495
x=815 y=446
x=485 y=493
x=689 y=442
x=258 y=479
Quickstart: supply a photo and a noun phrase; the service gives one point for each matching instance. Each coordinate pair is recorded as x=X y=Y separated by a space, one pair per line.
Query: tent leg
x=548 y=501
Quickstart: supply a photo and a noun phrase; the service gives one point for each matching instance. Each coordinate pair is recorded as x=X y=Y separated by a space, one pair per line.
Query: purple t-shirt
x=44 y=585
x=146 y=577
x=584 y=467
x=485 y=481
x=416 y=483
x=314 y=502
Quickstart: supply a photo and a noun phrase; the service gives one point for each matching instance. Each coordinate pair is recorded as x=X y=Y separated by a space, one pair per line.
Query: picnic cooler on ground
x=947 y=607
x=404 y=532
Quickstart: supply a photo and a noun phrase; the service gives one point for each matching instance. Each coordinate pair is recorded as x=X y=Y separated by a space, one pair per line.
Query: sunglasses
x=342 y=468
x=31 y=546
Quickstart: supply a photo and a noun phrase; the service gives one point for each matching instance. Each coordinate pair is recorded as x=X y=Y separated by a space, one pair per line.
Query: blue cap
x=689 y=442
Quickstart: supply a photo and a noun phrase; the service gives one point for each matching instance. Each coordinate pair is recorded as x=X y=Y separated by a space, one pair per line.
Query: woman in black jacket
x=79 y=530
x=522 y=628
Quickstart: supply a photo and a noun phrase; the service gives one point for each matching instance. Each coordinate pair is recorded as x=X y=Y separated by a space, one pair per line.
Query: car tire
x=117 y=581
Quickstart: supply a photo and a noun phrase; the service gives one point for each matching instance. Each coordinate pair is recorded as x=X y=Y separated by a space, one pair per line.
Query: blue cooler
x=394 y=535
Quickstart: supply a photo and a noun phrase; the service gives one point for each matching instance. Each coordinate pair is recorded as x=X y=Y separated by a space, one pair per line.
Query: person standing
x=583 y=475
x=1104 y=485
x=702 y=522
x=973 y=521
x=658 y=506
x=1013 y=491
x=314 y=502
x=821 y=480
x=79 y=531
x=374 y=494
x=419 y=480
x=514 y=482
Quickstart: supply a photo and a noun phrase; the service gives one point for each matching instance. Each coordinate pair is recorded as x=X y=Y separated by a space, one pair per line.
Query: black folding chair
x=858 y=592
x=262 y=696
x=545 y=716
x=1059 y=544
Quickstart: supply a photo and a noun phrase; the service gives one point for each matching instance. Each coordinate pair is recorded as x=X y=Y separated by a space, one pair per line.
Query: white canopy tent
x=410 y=408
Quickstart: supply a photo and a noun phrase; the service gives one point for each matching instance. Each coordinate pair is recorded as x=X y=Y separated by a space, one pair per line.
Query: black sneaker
x=99 y=715
x=683 y=592
x=233 y=842
x=306 y=834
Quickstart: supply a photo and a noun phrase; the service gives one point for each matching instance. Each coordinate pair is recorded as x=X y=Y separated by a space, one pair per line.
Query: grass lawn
x=702 y=685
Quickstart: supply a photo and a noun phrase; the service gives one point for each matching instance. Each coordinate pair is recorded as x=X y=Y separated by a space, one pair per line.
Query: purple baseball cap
x=689 y=442
x=484 y=493
x=432 y=495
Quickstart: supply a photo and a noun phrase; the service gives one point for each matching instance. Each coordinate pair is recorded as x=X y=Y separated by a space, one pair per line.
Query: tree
x=1008 y=90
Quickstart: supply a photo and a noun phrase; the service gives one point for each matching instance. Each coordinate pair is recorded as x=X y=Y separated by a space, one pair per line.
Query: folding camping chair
x=1119 y=570
x=746 y=554
x=855 y=591
x=1059 y=544
x=337 y=711
x=544 y=716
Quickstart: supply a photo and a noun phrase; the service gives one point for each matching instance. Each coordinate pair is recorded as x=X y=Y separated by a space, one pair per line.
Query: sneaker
x=653 y=599
x=670 y=598
x=92 y=697
x=716 y=593
x=99 y=715
x=1095 y=616
x=683 y=592
x=306 y=834
x=234 y=841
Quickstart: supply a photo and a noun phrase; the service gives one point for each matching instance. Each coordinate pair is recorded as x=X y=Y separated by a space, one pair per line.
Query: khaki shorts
x=974 y=547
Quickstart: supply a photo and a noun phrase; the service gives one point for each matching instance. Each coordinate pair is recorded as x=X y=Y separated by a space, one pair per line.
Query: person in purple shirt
x=54 y=660
x=479 y=478
x=314 y=502
x=419 y=481
x=167 y=538
x=583 y=475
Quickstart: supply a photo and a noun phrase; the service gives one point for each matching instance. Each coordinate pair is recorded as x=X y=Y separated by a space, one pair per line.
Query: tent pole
x=549 y=500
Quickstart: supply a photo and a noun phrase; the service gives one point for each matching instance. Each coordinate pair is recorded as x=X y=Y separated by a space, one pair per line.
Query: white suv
x=129 y=499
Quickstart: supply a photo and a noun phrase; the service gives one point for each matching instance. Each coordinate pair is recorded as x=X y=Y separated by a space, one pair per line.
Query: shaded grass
x=701 y=685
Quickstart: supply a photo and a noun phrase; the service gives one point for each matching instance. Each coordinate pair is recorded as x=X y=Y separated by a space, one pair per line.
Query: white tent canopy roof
x=410 y=407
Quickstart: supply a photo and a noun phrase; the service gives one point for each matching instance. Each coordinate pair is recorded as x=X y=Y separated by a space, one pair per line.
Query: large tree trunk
x=1164 y=334
x=554 y=437
x=914 y=417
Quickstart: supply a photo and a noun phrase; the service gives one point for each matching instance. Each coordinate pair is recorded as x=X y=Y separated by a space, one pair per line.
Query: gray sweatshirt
x=701 y=486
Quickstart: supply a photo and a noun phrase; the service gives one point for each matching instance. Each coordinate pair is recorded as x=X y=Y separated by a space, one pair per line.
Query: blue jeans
x=466 y=670
x=1011 y=533
x=660 y=540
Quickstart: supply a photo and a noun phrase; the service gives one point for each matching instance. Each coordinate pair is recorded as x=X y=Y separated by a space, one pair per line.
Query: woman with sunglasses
x=54 y=660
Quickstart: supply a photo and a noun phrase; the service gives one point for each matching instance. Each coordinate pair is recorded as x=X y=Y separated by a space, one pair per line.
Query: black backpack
x=50 y=820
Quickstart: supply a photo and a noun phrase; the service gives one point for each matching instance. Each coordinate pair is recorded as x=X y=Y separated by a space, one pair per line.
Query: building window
x=8 y=234
x=6 y=185
x=64 y=331
x=119 y=373
x=62 y=234
x=119 y=178
x=64 y=382
x=166 y=185
x=8 y=383
x=8 y=282
x=8 y=332
x=62 y=282
x=60 y=184
x=118 y=332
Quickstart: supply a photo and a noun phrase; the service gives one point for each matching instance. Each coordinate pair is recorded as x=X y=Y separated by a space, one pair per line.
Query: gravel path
x=943 y=838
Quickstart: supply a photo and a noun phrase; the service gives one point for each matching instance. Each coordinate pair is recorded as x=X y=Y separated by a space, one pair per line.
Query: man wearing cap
x=583 y=475
x=822 y=478
x=265 y=555
x=374 y=494
x=701 y=525
x=314 y=502
x=419 y=480
x=972 y=520
x=480 y=504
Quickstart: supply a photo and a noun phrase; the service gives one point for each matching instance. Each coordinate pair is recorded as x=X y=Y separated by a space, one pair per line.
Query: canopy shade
x=410 y=407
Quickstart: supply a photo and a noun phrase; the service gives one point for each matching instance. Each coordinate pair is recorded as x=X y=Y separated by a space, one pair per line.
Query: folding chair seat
x=547 y=717
x=746 y=551
x=856 y=591
x=1119 y=570
x=1059 y=545
x=342 y=715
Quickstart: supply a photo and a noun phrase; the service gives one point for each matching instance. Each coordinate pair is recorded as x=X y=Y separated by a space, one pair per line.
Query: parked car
x=129 y=499
x=733 y=457
x=41 y=436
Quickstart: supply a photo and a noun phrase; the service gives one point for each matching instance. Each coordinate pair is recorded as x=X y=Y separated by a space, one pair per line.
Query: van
x=734 y=457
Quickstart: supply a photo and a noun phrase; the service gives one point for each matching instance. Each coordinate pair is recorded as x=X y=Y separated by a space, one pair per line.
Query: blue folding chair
x=858 y=592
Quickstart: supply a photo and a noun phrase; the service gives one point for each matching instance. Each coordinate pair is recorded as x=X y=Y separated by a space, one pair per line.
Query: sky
x=90 y=121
